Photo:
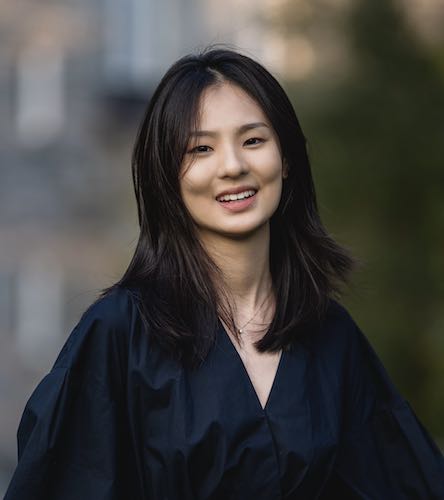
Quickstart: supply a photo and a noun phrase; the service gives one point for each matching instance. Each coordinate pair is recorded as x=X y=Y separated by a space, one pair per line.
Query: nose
x=232 y=163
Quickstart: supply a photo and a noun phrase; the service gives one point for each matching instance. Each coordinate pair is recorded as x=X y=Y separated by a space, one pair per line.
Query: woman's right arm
x=72 y=439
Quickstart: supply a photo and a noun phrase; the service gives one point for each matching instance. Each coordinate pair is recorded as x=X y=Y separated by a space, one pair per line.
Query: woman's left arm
x=385 y=452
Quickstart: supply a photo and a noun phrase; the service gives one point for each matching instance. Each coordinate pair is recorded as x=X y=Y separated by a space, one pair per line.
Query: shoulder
x=338 y=345
x=113 y=307
x=343 y=350
x=336 y=332
x=103 y=330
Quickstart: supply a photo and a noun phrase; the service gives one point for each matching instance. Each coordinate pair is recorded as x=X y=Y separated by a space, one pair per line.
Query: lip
x=237 y=190
x=238 y=205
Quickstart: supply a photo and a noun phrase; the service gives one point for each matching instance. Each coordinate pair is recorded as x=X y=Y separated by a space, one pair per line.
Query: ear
x=284 y=169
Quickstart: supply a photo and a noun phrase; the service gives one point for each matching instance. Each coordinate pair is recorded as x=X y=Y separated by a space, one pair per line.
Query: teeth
x=237 y=196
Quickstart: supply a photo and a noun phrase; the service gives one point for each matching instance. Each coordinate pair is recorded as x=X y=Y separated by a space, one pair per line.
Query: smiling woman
x=221 y=366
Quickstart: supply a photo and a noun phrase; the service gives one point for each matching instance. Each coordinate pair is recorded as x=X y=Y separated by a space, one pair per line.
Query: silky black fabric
x=116 y=418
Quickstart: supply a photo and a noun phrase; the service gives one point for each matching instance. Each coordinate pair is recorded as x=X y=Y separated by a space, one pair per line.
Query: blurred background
x=367 y=80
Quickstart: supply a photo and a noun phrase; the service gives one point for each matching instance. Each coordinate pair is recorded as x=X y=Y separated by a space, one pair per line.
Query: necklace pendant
x=240 y=331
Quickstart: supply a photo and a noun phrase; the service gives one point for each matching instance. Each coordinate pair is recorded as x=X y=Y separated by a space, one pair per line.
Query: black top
x=116 y=418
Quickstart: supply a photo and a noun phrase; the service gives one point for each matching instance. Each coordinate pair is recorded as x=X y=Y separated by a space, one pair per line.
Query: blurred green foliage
x=377 y=151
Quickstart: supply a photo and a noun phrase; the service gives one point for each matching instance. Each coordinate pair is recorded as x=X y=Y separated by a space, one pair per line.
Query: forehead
x=226 y=104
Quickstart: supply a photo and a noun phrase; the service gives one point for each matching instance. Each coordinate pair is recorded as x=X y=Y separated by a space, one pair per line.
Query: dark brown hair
x=170 y=272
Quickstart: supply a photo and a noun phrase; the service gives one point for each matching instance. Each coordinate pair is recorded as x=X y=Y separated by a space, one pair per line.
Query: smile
x=237 y=196
x=237 y=202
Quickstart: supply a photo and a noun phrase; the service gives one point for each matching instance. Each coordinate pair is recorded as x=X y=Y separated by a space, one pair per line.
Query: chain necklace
x=240 y=330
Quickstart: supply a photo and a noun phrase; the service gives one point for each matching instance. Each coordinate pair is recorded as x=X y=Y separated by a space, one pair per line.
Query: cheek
x=195 y=189
x=272 y=171
x=272 y=180
x=276 y=194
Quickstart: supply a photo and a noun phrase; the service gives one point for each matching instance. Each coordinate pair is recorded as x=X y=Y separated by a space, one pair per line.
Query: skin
x=221 y=158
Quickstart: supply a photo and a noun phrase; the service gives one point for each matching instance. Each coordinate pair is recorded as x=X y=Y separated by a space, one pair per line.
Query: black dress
x=118 y=419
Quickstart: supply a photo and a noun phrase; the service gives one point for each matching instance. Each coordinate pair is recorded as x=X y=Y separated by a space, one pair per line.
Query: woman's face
x=232 y=186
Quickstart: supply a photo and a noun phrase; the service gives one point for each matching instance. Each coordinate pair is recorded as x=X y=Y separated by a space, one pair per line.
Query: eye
x=253 y=141
x=200 y=149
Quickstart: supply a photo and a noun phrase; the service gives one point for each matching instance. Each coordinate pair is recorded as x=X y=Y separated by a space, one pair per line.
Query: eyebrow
x=239 y=130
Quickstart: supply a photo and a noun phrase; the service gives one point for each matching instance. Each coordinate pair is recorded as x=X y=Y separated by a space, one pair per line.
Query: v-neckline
x=264 y=409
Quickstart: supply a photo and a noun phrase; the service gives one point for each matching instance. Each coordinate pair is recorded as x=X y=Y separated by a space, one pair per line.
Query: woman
x=219 y=366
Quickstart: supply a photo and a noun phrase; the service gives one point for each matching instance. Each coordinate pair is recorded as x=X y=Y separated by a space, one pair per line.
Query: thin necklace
x=240 y=330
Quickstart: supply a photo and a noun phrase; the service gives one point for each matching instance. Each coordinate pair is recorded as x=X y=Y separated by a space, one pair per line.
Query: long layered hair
x=171 y=274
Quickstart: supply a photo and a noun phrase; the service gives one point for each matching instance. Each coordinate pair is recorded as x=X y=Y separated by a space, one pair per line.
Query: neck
x=245 y=266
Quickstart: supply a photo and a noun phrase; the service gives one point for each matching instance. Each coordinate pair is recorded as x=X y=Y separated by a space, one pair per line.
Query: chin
x=244 y=231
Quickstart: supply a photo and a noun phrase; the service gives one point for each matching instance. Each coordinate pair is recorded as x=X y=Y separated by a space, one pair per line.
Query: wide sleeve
x=385 y=452
x=72 y=438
